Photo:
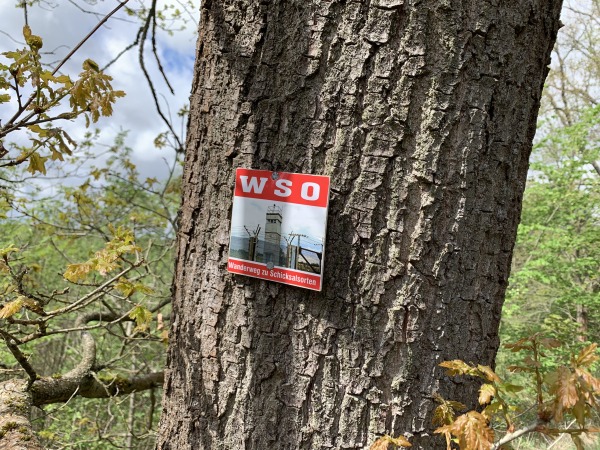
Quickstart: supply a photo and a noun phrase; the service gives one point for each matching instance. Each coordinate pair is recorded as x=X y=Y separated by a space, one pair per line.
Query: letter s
x=283 y=188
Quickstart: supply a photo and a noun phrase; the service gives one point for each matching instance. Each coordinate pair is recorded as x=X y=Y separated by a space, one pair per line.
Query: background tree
x=554 y=286
x=90 y=257
x=423 y=113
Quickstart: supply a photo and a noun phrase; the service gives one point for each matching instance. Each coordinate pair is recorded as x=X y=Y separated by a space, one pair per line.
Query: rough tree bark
x=423 y=113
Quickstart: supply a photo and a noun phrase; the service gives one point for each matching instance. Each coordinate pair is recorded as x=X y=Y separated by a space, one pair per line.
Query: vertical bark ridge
x=423 y=113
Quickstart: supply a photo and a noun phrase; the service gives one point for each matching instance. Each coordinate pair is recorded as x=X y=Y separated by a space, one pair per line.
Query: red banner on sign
x=311 y=190
x=279 y=274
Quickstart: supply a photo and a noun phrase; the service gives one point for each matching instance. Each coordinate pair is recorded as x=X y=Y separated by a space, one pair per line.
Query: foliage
x=387 y=442
x=91 y=95
x=569 y=391
x=555 y=284
x=111 y=236
x=96 y=246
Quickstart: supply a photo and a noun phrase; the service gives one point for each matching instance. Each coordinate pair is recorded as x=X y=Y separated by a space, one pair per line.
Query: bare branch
x=144 y=33
x=596 y=166
x=514 y=435
x=84 y=40
x=12 y=345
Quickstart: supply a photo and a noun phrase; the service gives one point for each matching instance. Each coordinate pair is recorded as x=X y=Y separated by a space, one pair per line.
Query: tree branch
x=82 y=382
x=514 y=435
x=11 y=343
x=596 y=165
x=46 y=391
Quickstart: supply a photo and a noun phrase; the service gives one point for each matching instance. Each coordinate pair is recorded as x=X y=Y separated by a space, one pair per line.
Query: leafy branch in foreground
x=90 y=95
x=97 y=330
x=565 y=392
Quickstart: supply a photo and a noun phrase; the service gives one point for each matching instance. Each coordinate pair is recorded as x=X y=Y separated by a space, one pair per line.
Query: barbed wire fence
x=298 y=251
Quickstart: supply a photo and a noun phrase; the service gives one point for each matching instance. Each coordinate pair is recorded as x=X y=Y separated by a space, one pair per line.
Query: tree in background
x=85 y=266
x=555 y=282
x=423 y=114
x=555 y=285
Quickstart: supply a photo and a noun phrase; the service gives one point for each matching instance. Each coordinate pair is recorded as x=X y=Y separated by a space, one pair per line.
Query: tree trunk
x=423 y=113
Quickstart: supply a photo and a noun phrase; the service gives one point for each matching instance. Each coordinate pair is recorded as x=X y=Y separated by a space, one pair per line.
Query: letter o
x=316 y=190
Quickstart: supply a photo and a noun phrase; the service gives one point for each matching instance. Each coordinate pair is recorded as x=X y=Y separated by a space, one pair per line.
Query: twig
x=83 y=41
x=514 y=435
x=596 y=165
x=86 y=297
x=24 y=6
x=144 y=33
x=561 y=436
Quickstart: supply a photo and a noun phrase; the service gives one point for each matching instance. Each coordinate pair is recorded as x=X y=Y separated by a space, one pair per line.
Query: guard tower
x=273 y=235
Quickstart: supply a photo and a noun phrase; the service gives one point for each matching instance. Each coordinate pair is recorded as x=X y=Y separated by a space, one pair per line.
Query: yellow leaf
x=456 y=367
x=77 y=272
x=473 y=432
x=488 y=373
x=26 y=32
x=587 y=356
x=89 y=64
x=64 y=79
x=10 y=249
x=11 y=308
x=446 y=430
x=37 y=163
x=125 y=287
x=400 y=441
x=380 y=444
x=486 y=393
x=56 y=156
x=387 y=442
x=164 y=336
x=444 y=414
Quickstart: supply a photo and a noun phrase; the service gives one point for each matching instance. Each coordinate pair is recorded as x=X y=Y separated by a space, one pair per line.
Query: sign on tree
x=278 y=227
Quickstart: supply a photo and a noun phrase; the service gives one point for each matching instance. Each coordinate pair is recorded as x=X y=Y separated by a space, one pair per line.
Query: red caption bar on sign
x=278 y=227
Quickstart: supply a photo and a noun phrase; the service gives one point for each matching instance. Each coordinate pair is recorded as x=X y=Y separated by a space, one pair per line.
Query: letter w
x=253 y=184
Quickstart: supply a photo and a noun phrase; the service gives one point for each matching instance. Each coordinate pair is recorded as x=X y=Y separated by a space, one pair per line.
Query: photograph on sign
x=278 y=227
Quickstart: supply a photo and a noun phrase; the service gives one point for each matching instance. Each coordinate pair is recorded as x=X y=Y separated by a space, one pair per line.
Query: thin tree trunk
x=423 y=113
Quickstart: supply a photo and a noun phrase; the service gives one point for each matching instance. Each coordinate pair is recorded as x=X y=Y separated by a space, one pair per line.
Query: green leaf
x=37 y=163
x=142 y=317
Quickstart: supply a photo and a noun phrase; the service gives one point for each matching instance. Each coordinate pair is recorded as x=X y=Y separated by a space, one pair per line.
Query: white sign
x=278 y=227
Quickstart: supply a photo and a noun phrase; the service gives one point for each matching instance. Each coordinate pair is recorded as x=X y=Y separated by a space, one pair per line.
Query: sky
x=62 y=25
